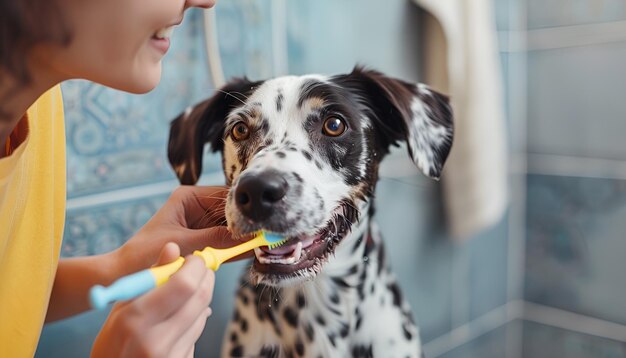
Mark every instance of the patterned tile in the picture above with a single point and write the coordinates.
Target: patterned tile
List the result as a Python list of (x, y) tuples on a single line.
[(553, 13), (575, 245), (575, 102), (101, 229), (244, 30), (542, 341)]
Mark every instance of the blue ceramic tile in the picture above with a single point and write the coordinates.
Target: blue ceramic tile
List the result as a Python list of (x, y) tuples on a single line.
[(330, 37), (541, 341), (575, 245), (554, 13), (101, 229), (410, 216), (575, 101), (244, 31), (488, 269)]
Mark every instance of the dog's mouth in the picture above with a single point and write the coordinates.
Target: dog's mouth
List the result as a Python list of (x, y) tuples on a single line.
[(303, 256)]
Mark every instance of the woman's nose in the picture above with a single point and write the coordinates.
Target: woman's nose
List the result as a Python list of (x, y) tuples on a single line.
[(205, 4)]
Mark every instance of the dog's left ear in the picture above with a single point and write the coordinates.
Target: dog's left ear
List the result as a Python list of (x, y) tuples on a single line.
[(410, 112)]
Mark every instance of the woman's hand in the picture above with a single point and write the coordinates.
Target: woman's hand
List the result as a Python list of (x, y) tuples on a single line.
[(193, 218), (165, 322)]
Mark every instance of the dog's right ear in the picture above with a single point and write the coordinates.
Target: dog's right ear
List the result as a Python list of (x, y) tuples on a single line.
[(201, 124)]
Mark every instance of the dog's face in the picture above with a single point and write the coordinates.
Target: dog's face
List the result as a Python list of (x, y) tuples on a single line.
[(301, 156)]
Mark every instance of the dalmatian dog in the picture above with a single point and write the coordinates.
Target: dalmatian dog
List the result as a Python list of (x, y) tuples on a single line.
[(301, 157)]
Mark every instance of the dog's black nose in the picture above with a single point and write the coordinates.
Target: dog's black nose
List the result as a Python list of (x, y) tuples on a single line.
[(256, 195)]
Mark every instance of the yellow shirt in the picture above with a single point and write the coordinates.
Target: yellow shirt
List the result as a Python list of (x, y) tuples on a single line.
[(32, 215)]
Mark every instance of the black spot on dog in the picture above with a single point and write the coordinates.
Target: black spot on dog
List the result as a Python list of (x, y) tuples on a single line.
[(297, 176), (300, 300), (244, 325), (280, 154), (279, 101), (320, 320), (344, 330), (237, 351), (307, 155), (340, 282), (309, 331), (395, 292), (299, 347), (269, 352), (291, 316), (233, 337), (362, 351), (334, 298), (318, 164), (407, 334), (331, 338), (359, 320)]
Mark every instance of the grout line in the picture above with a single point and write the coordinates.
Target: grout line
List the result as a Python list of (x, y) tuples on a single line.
[(469, 331), (562, 36), (563, 165), (527, 311), (136, 192), (575, 322)]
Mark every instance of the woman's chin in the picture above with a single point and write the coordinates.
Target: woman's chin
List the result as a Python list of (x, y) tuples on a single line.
[(138, 83)]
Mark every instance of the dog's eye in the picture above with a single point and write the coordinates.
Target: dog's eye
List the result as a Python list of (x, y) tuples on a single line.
[(333, 127), (240, 131)]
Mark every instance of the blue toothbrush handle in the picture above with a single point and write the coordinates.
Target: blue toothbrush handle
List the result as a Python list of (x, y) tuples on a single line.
[(125, 288)]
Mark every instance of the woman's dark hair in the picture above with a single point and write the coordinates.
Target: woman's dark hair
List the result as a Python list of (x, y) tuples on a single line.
[(24, 24)]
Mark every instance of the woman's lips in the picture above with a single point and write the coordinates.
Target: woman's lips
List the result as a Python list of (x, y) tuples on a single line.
[(162, 45)]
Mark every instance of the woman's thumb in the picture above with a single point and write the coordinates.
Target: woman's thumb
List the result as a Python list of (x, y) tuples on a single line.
[(169, 253)]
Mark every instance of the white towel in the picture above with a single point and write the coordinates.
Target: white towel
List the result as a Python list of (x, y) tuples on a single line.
[(463, 62)]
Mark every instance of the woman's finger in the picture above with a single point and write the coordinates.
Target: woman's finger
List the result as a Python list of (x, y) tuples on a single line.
[(162, 302), (184, 347)]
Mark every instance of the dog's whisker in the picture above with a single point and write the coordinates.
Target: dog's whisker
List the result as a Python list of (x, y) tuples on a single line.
[(396, 180)]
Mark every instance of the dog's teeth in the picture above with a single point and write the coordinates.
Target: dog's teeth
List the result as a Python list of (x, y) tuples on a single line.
[(258, 253), (297, 252)]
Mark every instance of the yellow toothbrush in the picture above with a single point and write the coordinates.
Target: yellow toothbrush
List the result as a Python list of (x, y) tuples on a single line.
[(141, 282)]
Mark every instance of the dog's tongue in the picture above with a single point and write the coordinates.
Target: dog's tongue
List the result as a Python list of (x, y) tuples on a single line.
[(285, 249)]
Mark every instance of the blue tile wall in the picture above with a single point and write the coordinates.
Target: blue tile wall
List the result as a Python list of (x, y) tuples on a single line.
[(554, 13), (245, 38), (411, 219), (330, 37), (487, 272), (103, 228), (575, 101), (575, 245)]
